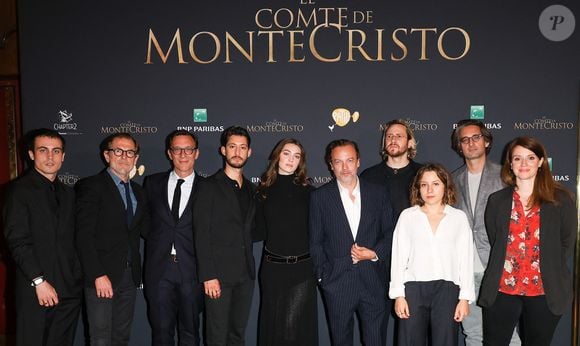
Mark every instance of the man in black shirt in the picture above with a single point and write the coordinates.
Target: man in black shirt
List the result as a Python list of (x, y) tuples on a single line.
[(397, 170), (223, 219), (39, 228)]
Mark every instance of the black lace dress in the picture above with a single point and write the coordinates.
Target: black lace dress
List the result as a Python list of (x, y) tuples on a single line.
[(288, 308)]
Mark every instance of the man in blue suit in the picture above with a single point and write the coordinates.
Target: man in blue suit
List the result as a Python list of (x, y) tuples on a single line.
[(174, 295), (351, 228)]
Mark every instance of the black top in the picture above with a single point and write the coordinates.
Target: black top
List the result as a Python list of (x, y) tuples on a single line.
[(397, 180), (283, 217)]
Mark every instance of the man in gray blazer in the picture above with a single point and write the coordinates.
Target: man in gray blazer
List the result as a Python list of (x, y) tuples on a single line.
[(475, 181)]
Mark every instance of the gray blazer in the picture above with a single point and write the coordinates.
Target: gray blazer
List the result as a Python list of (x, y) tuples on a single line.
[(490, 183)]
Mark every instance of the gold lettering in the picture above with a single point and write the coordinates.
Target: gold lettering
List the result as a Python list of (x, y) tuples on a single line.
[(465, 49), (342, 17), (359, 46), (271, 42), (192, 47), (258, 22), (423, 40), (380, 44), (293, 45), (164, 57), (249, 55), (304, 21), (312, 45), (399, 44), (290, 18)]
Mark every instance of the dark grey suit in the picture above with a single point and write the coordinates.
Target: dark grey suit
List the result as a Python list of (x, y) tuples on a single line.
[(347, 287), (490, 182)]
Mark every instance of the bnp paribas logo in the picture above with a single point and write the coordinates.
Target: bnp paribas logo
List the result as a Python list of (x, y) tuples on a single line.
[(342, 117), (200, 115), (477, 112)]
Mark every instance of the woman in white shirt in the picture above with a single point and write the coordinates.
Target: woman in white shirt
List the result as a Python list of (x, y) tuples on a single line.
[(432, 262)]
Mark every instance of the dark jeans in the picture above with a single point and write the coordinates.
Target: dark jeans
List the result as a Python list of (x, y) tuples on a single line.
[(110, 318), (537, 322), (227, 316)]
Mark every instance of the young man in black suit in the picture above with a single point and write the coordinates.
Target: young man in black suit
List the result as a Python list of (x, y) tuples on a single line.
[(39, 229), (223, 218), (172, 289), (111, 213)]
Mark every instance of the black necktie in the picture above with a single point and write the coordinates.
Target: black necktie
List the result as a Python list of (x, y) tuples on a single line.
[(129, 203), (176, 200)]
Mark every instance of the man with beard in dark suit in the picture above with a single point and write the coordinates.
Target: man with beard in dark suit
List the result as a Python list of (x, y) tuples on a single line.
[(223, 220), (172, 289), (39, 229)]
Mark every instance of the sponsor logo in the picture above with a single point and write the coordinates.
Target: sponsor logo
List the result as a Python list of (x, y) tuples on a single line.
[(544, 123), (559, 178), (205, 128), (65, 124), (129, 127), (200, 115), (255, 180), (477, 112), (68, 178), (137, 171), (342, 117), (275, 126), (557, 23), (489, 126)]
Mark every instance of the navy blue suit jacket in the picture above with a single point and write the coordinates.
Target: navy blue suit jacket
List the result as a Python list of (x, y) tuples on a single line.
[(331, 238), (164, 231)]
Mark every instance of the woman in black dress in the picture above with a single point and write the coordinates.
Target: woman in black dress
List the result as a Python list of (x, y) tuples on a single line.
[(288, 309)]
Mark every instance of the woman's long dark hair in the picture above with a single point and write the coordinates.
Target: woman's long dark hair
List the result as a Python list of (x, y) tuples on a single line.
[(271, 173)]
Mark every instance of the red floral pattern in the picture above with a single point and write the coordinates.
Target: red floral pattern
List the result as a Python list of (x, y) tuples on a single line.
[(521, 271)]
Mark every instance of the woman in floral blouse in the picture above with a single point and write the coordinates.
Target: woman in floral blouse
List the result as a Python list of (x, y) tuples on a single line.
[(531, 226)]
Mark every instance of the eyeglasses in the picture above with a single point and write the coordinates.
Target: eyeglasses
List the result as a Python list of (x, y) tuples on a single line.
[(179, 151), (474, 139), (119, 152)]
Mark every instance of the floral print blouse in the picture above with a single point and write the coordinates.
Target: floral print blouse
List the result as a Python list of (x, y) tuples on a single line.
[(521, 271)]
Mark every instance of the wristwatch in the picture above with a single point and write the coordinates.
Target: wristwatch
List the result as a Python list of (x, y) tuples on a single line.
[(37, 281)]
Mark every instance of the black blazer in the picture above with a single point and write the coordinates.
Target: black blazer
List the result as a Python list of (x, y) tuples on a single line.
[(103, 237), (164, 231), (42, 241), (223, 236), (331, 238), (558, 225)]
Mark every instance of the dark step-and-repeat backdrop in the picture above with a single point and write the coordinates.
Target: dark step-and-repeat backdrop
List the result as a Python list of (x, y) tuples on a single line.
[(316, 70)]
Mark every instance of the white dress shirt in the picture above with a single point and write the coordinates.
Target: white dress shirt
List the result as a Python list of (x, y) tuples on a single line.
[(351, 208), (186, 188), (421, 255)]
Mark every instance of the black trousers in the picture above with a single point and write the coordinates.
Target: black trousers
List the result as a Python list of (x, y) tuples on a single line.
[(110, 319), (537, 322), (47, 326), (226, 317), (432, 308), (349, 296), (174, 304)]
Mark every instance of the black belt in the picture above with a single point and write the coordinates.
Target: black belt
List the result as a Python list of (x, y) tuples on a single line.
[(275, 258)]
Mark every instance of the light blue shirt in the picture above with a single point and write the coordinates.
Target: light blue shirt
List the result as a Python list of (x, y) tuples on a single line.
[(118, 183)]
